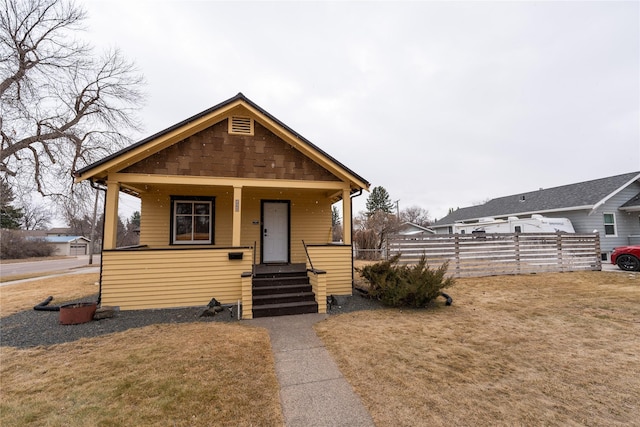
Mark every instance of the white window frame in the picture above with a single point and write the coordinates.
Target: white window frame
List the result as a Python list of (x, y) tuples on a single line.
[(614, 224), (193, 215)]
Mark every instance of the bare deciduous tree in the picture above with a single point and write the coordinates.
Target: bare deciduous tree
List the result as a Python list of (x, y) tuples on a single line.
[(371, 232), (34, 216), (416, 215), (61, 107)]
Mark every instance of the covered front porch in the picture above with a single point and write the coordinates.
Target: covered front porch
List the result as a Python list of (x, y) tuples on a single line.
[(144, 277), (165, 271), (237, 216), (221, 192)]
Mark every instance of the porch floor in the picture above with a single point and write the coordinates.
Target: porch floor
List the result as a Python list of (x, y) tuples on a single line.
[(262, 269)]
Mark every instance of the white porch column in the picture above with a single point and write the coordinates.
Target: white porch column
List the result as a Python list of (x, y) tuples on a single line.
[(237, 216), (111, 215), (346, 216)]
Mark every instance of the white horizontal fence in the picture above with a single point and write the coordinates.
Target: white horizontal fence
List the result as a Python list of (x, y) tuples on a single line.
[(496, 254)]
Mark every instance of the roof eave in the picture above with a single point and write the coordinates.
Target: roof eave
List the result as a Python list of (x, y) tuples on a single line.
[(539, 212), (610, 195)]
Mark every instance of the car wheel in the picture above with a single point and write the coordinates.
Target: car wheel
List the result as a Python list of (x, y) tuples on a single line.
[(628, 263)]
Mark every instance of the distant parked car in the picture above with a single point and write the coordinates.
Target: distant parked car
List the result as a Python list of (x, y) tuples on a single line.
[(626, 257)]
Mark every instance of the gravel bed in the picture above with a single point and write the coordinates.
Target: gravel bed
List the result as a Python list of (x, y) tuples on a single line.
[(33, 328)]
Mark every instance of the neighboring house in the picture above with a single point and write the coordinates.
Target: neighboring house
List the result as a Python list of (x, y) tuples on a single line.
[(69, 245), (59, 231), (411, 229), (63, 243), (609, 206), (230, 198), (66, 243)]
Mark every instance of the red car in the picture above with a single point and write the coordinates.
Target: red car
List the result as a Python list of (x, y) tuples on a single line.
[(627, 258)]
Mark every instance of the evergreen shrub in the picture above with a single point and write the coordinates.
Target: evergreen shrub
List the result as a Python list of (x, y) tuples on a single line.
[(405, 285)]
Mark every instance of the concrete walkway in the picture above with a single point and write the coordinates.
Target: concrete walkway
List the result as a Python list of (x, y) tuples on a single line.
[(313, 391)]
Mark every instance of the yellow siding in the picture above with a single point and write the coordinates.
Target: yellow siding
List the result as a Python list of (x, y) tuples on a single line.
[(319, 285), (155, 214), (310, 218), (172, 278), (247, 297), (336, 261), (154, 219)]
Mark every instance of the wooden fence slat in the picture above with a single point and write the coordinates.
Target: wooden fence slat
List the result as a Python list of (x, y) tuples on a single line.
[(491, 254)]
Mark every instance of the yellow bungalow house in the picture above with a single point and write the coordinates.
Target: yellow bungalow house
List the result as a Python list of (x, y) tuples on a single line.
[(235, 206)]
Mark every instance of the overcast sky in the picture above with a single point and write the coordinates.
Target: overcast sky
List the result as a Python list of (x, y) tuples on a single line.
[(445, 104)]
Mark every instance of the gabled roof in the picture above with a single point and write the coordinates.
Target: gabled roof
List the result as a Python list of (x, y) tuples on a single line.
[(586, 195), (181, 130), (64, 239), (633, 204), (411, 228), (62, 231)]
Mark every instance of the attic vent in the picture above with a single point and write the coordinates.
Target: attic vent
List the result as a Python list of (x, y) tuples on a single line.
[(241, 125)]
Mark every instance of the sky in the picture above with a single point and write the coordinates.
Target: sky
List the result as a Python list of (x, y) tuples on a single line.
[(445, 104)]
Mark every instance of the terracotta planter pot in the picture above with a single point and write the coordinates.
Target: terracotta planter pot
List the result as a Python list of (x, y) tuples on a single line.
[(73, 314)]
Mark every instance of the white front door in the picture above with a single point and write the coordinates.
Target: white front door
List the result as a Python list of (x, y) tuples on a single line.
[(275, 232)]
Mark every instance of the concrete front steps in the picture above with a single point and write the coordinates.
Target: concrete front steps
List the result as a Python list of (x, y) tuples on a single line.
[(280, 290)]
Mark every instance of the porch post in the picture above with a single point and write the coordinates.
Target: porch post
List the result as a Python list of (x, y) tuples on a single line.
[(346, 216), (111, 215), (237, 216)]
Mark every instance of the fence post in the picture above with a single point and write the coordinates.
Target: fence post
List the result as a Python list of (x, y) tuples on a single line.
[(559, 249), (457, 253), (516, 241), (598, 253), (386, 252)]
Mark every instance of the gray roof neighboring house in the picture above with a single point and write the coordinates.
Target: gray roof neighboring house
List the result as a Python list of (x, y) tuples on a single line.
[(53, 239), (60, 231), (64, 239), (632, 205), (409, 228), (583, 195)]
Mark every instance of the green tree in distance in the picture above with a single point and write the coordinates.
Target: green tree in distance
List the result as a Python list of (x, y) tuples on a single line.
[(10, 217), (379, 201)]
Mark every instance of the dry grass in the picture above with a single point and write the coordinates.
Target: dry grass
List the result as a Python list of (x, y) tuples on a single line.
[(173, 374), (547, 349), (23, 296), (46, 258), (29, 276)]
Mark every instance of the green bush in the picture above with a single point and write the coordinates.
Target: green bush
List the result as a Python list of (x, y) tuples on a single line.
[(405, 286)]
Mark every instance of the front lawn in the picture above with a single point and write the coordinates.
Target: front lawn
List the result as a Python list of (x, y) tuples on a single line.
[(546, 349), (185, 374)]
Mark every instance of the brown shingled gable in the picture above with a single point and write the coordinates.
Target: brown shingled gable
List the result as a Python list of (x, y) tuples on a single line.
[(213, 152)]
